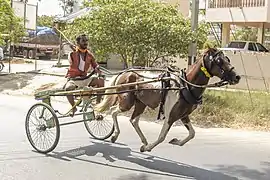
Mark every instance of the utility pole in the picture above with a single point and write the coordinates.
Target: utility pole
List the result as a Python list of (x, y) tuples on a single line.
[(194, 26)]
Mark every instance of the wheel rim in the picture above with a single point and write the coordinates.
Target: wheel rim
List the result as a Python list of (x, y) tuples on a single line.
[(98, 125), (41, 129)]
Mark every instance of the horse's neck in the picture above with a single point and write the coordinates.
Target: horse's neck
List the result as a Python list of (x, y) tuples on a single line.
[(196, 76)]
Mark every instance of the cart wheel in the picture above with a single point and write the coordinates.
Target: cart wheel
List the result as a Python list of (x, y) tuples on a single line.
[(98, 126), (42, 128)]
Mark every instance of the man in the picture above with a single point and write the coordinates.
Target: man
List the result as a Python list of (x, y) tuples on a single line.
[(81, 62)]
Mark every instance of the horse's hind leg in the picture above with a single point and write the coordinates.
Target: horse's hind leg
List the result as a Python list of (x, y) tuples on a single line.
[(115, 111), (186, 122), (138, 110), (164, 131)]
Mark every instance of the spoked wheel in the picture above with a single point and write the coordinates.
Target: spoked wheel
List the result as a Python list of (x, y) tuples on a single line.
[(42, 128), (98, 125)]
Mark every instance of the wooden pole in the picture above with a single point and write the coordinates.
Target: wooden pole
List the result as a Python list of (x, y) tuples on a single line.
[(90, 91)]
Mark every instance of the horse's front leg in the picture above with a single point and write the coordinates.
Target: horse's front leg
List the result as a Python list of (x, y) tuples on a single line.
[(164, 131), (186, 122)]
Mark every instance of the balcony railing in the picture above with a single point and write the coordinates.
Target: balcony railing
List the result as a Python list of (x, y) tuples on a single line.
[(235, 3)]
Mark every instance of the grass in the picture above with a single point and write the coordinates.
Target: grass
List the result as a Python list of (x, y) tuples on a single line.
[(227, 109), (234, 110)]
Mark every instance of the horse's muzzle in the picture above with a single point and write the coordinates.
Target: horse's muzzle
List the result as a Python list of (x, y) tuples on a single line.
[(233, 78)]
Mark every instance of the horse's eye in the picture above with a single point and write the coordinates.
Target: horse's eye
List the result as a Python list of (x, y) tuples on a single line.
[(218, 61)]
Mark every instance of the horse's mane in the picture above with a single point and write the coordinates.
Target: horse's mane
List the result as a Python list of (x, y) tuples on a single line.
[(199, 59)]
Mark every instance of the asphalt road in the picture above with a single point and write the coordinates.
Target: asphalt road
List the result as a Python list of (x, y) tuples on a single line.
[(215, 154)]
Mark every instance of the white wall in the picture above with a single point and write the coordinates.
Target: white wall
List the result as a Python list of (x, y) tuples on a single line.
[(246, 14)]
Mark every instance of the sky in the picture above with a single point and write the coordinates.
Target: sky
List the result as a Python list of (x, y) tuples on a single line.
[(48, 7), (52, 7)]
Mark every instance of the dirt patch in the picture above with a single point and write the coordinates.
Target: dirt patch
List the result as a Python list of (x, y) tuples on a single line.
[(46, 86), (15, 81), (28, 84), (18, 61)]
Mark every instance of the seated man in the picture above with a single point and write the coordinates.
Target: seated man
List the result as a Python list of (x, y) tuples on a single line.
[(81, 61)]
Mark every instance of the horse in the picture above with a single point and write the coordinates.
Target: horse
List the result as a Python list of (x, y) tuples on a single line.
[(178, 104)]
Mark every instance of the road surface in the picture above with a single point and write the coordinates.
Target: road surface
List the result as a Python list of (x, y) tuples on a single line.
[(215, 154)]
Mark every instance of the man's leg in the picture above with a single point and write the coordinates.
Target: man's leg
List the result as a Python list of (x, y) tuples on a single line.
[(70, 86), (97, 82)]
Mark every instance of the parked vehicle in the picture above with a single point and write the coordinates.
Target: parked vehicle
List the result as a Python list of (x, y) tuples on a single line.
[(45, 44), (245, 46)]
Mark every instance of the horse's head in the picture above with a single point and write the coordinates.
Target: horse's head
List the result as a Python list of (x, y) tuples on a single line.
[(217, 64)]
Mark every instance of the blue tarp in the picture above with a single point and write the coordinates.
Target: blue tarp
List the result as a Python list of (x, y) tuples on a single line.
[(41, 30)]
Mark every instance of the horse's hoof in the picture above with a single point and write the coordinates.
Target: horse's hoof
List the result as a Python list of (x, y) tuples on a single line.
[(113, 139), (142, 149), (174, 141)]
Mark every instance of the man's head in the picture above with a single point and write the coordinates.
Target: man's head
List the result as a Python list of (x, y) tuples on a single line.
[(82, 41)]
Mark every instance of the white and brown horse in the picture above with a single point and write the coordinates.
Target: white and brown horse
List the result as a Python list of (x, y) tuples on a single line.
[(178, 104)]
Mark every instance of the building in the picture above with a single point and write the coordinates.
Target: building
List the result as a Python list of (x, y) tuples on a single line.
[(182, 5), (252, 13)]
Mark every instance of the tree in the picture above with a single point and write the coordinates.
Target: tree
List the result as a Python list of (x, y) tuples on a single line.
[(45, 20), (138, 31), (9, 21), (246, 34), (67, 6)]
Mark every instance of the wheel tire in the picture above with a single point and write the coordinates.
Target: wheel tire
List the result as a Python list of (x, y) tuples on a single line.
[(91, 115), (32, 54), (25, 53), (56, 126)]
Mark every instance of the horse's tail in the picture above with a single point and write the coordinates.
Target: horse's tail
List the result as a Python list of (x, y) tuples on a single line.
[(109, 100)]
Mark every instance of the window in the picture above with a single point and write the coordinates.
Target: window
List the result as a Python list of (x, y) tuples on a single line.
[(252, 47), (261, 48), (236, 44)]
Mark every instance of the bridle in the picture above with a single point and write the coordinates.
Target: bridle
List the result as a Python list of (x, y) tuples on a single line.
[(218, 61)]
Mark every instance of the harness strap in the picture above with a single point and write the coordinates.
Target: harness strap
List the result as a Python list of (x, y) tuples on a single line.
[(186, 92), (164, 92)]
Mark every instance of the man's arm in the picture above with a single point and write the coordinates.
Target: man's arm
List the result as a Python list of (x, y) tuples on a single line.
[(69, 58), (94, 64)]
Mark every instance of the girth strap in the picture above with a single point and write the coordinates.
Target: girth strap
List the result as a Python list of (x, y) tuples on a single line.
[(164, 92), (186, 93)]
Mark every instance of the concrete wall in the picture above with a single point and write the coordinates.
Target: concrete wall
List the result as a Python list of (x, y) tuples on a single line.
[(114, 62), (245, 14), (254, 68), (239, 14)]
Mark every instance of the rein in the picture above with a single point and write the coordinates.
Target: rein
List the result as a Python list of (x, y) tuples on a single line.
[(217, 84)]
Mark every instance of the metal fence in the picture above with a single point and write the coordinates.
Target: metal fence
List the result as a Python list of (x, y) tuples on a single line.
[(235, 3)]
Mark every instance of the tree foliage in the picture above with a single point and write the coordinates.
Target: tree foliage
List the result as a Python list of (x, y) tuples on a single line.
[(9, 21), (246, 34), (138, 31), (45, 20)]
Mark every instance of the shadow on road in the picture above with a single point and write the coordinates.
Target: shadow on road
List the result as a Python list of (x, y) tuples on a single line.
[(14, 81), (243, 171), (155, 165)]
